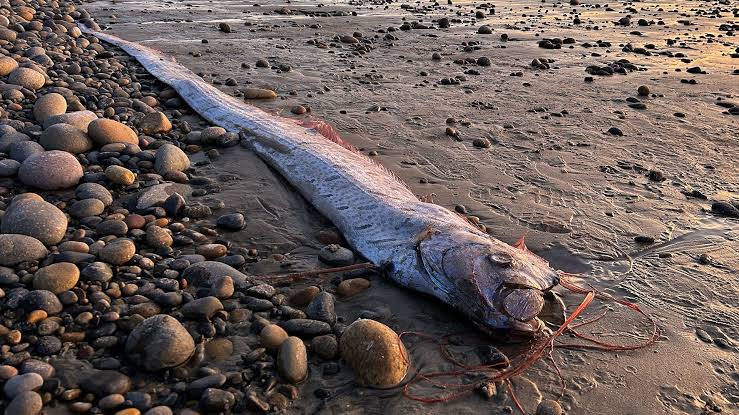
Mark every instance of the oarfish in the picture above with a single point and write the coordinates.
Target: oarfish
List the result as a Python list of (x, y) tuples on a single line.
[(420, 245)]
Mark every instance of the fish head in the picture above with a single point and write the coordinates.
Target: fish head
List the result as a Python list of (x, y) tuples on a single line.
[(497, 285)]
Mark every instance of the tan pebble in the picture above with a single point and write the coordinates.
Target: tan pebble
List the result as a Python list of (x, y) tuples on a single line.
[(14, 337), (7, 372), (211, 251), (259, 93), (272, 336), (375, 352), (111, 401), (71, 394), (350, 287), (304, 296), (128, 411), (80, 407), (35, 316), (120, 175)]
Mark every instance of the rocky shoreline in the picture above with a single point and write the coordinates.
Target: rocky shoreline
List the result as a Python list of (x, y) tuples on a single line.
[(117, 287)]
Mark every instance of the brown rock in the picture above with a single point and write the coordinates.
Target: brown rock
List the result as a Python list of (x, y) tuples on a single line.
[(57, 278), (350, 287), (375, 352), (104, 131), (48, 105)]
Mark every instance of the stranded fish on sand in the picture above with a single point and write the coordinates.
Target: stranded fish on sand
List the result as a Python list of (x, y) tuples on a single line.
[(422, 246)]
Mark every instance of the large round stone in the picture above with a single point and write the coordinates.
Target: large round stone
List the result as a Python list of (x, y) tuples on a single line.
[(57, 278), (292, 360), (20, 248), (170, 158), (23, 150), (104, 131), (26, 403), (8, 35), (27, 78), (65, 137), (35, 218), (51, 170), (42, 300), (159, 342), (6, 140), (7, 65), (118, 251), (155, 122), (375, 352), (79, 119), (94, 191), (48, 105)]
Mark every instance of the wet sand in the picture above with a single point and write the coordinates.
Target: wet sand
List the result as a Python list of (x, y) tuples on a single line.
[(552, 172)]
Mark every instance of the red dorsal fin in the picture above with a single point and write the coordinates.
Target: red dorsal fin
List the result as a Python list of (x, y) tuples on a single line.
[(521, 244)]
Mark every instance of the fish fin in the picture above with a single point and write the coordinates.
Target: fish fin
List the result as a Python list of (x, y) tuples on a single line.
[(328, 131), (521, 244), (428, 231)]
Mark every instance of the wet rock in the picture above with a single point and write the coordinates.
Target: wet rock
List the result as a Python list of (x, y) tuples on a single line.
[(206, 272), (155, 123), (105, 382), (292, 360), (159, 342), (104, 131), (118, 251), (202, 308), (272, 336), (326, 346), (20, 248), (170, 158), (65, 137), (232, 222), (38, 219), (57, 278), (222, 287), (48, 105), (336, 255), (353, 286), (51, 170), (375, 352), (217, 400), (306, 327), (322, 308)]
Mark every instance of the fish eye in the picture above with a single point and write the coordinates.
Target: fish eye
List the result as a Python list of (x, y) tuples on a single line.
[(501, 259)]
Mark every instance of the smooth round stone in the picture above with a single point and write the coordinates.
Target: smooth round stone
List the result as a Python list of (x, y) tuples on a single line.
[(65, 137), (74, 246), (210, 134), (336, 255), (104, 131), (79, 119), (259, 93), (106, 382), (57, 278), (38, 219), (216, 401), (23, 150), (159, 410), (20, 248), (7, 372), (51, 170), (350, 287), (169, 158), (6, 140), (304, 296), (326, 346), (375, 352), (118, 251), (120, 175), (157, 237), (86, 207), (7, 65), (211, 251), (45, 370), (9, 168), (549, 407), (8, 35), (94, 191), (27, 403), (292, 360), (111, 401), (322, 308), (154, 123), (222, 287), (159, 342), (135, 221), (48, 105), (42, 300), (48, 345), (22, 383), (232, 222), (97, 271), (111, 227), (27, 78), (272, 336), (202, 308)]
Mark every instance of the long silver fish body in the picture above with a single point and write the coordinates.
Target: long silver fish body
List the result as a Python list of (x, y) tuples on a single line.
[(422, 246)]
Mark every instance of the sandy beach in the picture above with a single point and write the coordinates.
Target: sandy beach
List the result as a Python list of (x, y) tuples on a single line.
[(604, 133)]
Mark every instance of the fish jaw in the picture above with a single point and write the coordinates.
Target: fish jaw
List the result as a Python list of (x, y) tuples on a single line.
[(497, 286)]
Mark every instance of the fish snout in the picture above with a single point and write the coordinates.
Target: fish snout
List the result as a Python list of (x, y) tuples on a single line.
[(524, 304)]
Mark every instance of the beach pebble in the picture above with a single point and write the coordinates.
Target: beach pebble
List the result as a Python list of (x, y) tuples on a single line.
[(24, 149), (292, 360), (322, 308), (157, 237), (232, 222), (212, 251), (336, 255), (202, 308), (272, 336), (155, 123), (26, 403), (38, 219), (57, 278), (105, 131), (375, 352), (9, 168), (48, 105), (86, 207), (51, 170), (259, 93), (42, 300), (549, 407), (7, 65), (120, 175), (20, 248), (350, 287), (79, 119), (94, 191), (170, 158), (22, 383), (215, 400), (118, 251), (305, 327), (159, 342), (222, 287), (326, 346), (27, 78), (65, 137), (97, 271), (304, 296)]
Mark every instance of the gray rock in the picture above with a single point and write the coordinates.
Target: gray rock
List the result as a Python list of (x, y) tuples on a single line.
[(202, 308), (231, 222), (94, 191), (156, 195), (20, 248), (304, 327), (292, 360), (65, 137), (79, 119), (9, 168), (118, 251), (7, 139), (22, 150), (42, 300), (205, 273), (22, 383), (86, 207), (44, 369), (105, 382), (170, 158), (336, 255), (27, 403), (159, 342), (322, 308), (326, 346), (51, 170), (35, 218)]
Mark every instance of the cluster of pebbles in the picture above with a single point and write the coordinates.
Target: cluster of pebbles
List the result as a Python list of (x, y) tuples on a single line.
[(114, 292)]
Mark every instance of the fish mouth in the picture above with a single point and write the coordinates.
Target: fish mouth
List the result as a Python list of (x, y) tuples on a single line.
[(527, 328)]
